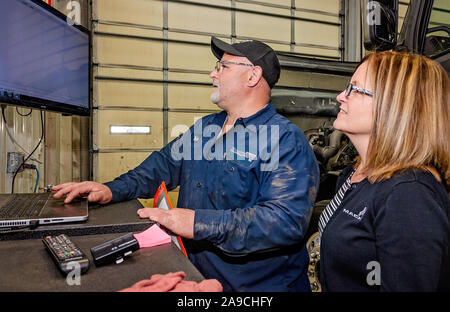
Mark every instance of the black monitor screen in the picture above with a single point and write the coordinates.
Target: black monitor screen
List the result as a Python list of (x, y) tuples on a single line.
[(44, 61)]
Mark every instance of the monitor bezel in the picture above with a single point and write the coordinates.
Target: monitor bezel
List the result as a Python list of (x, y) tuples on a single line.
[(48, 105)]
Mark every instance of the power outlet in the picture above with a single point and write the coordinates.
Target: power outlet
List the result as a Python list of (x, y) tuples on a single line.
[(14, 161)]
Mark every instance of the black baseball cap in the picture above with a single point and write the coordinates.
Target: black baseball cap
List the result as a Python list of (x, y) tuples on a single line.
[(260, 54)]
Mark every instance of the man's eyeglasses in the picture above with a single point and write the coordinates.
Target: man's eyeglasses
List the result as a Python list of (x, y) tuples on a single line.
[(219, 65), (352, 87)]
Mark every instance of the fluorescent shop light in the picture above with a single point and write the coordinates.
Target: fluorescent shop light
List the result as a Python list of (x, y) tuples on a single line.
[(129, 129)]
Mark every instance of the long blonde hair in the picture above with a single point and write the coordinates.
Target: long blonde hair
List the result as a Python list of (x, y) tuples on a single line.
[(411, 117)]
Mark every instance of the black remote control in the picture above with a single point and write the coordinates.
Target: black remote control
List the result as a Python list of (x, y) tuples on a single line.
[(66, 255)]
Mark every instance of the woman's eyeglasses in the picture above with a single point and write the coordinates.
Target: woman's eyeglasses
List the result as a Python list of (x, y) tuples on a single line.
[(352, 87)]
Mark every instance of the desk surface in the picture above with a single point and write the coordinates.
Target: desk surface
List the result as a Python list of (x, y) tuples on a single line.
[(114, 218), (26, 266)]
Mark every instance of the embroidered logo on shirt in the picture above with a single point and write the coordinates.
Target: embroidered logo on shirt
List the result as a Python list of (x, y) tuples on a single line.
[(248, 155), (354, 215)]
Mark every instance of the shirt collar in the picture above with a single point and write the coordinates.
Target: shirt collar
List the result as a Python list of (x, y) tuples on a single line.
[(259, 118)]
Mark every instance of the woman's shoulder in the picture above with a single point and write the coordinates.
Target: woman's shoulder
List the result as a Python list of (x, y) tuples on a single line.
[(412, 182), (414, 176), (413, 198)]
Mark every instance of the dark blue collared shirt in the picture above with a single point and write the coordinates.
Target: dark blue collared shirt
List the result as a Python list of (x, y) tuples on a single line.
[(252, 190)]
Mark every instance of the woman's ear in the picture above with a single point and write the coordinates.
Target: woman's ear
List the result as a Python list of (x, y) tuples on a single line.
[(255, 76)]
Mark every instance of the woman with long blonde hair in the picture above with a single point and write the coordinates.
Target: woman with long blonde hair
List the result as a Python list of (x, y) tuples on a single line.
[(388, 228)]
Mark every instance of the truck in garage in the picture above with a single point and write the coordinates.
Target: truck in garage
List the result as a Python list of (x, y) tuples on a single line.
[(425, 31)]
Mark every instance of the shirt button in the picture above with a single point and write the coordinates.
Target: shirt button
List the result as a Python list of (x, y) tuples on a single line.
[(199, 184), (232, 169)]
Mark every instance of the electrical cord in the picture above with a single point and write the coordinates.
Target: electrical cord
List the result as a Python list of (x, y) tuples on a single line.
[(28, 157), (31, 166), (24, 115), (37, 178), (14, 140)]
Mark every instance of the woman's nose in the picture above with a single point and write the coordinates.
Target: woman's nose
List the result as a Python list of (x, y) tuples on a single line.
[(341, 97)]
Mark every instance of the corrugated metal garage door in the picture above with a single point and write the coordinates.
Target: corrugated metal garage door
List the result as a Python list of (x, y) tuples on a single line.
[(152, 60)]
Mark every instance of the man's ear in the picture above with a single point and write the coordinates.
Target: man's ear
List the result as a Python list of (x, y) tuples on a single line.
[(255, 76)]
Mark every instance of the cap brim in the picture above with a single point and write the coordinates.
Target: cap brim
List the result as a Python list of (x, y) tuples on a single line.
[(219, 47)]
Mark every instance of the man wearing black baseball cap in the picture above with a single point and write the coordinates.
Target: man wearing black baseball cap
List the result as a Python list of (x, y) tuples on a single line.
[(258, 53), (243, 77), (244, 204)]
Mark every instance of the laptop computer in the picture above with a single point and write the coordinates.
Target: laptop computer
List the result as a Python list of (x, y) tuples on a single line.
[(22, 210)]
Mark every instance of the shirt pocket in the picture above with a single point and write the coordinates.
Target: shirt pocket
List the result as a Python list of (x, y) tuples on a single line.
[(242, 182)]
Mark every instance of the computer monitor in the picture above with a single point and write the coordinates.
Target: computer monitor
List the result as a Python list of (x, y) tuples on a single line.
[(44, 60)]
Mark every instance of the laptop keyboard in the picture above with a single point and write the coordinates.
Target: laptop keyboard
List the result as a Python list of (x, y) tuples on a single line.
[(24, 206)]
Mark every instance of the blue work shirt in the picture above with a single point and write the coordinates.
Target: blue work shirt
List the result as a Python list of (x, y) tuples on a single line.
[(252, 190)]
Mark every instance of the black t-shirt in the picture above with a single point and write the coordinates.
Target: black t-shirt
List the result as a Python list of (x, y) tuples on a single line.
[(388, 236)]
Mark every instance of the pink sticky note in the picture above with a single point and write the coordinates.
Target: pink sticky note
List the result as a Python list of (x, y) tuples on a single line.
[(153, 236)]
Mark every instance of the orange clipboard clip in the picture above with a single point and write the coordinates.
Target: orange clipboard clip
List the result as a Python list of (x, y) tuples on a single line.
[(162, 200)]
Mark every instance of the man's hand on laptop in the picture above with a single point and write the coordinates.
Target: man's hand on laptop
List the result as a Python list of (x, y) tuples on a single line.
[(94, 191)]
